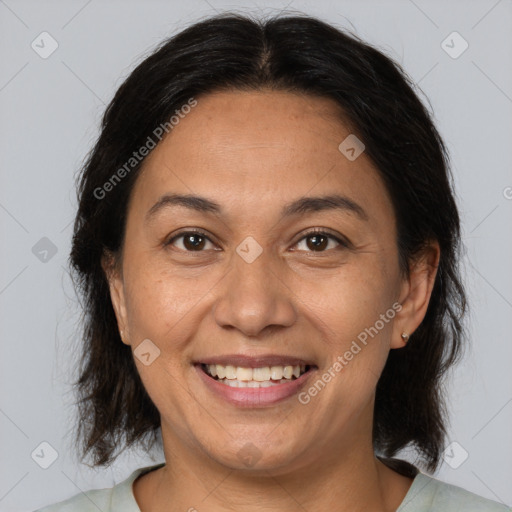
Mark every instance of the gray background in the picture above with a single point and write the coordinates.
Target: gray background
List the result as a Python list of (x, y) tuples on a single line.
[(50, 111)]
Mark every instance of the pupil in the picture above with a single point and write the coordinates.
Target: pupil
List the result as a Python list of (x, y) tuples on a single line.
[(316, 243), (190, 244)]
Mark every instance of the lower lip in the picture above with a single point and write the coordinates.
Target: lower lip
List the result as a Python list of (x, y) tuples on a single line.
[(254, 397)]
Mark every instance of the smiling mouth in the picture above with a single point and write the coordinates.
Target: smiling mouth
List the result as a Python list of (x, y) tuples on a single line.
[(261, 377)]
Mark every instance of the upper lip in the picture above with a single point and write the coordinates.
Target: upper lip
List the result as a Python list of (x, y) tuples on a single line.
[(246, 361)]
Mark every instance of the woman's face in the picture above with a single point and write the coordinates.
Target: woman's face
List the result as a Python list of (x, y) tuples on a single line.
[(256, 289)]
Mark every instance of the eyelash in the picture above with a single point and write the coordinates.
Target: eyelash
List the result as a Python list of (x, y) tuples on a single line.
[(343, 243)]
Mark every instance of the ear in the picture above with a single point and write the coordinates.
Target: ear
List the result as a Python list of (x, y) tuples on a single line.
[(117, 293), (415, 293)]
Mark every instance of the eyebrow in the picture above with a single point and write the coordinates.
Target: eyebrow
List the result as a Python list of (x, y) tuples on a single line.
[(300, 206)]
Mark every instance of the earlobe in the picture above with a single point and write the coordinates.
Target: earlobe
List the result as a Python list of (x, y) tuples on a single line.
[(415, 294), (116, 287)]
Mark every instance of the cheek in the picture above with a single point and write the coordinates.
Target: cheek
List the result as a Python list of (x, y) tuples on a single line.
[(353, 311), (350, 300), (157, 300)]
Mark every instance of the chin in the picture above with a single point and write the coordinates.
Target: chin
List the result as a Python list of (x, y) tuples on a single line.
[(256, 454)]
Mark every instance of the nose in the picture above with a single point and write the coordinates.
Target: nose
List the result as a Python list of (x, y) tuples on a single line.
[(254, 297)]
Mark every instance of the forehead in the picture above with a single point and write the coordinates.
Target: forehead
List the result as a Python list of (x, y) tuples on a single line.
[(258, 148)]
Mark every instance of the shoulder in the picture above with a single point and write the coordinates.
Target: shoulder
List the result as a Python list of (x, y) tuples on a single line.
[(90, 501), (118, 498), (428, 494)]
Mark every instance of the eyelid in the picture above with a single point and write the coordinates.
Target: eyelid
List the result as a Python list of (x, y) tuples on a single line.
[(186, 231), (342, 241)]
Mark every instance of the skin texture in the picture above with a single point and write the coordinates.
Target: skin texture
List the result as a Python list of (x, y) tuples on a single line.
[(254, 152)]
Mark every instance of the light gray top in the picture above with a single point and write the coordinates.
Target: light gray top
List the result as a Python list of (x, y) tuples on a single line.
[(426, 494)]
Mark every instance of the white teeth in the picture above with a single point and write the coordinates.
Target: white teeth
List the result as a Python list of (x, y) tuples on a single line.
[(276, 372), (221, 371), (238, 376), (244, 373), (230, 372), (252, 383), (261, 374)]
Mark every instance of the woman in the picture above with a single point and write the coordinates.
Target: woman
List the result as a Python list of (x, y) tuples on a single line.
[(267, 242)]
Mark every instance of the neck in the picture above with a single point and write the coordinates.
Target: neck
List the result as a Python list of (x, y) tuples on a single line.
[(348, 478)]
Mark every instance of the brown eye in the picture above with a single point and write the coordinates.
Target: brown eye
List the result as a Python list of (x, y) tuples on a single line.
[(191, 241), (194, 242), (318, 241)]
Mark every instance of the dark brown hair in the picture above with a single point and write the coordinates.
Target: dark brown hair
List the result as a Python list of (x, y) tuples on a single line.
[(289, 53)]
